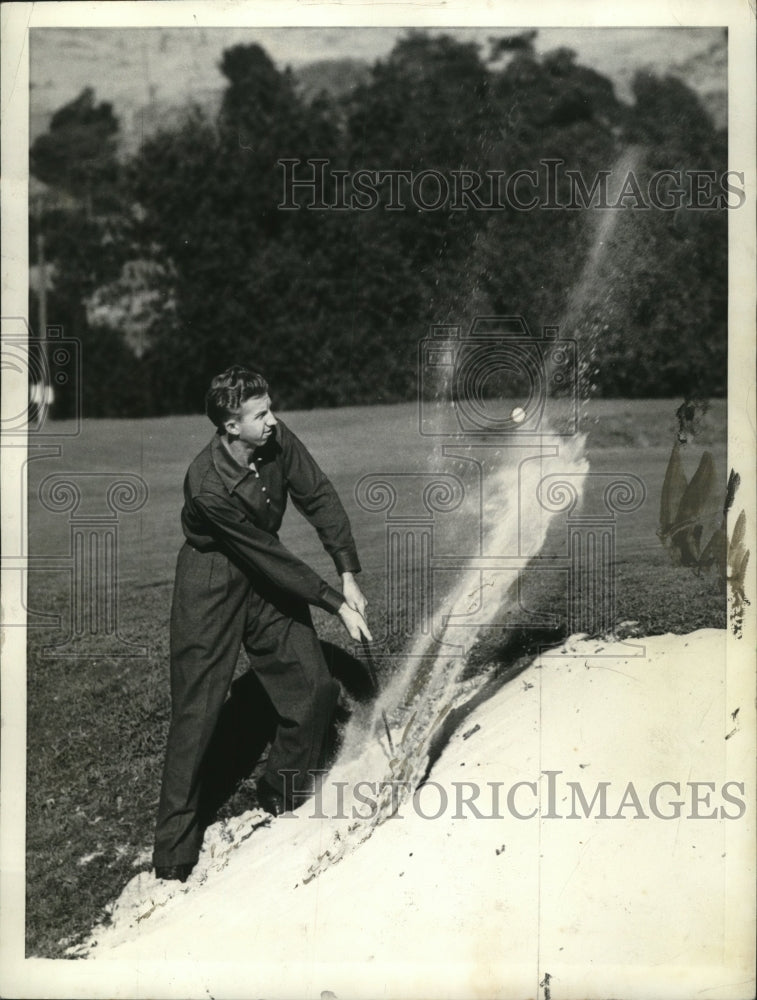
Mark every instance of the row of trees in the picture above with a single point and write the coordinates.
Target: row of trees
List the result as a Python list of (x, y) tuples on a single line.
[(178, 261)]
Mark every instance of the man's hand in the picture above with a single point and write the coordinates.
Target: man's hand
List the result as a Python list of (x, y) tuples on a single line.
[(354, 622), (353, 595)]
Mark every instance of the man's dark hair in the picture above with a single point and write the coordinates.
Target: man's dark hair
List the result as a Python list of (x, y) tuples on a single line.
[(229, 390)]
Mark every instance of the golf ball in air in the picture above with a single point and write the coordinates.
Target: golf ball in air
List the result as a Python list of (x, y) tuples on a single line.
[(518, 415)]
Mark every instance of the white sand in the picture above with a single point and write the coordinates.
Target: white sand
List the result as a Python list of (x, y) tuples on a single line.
[(477, 907)]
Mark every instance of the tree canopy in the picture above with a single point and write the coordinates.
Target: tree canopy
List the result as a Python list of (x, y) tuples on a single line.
[(331, 304)]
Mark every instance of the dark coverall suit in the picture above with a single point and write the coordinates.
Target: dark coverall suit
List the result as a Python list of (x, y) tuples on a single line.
[(236, 584)]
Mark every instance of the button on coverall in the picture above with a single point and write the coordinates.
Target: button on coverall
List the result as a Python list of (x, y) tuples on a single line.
[(237, 585)]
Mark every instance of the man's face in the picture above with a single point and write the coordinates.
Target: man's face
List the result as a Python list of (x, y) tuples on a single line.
[(253, 424)]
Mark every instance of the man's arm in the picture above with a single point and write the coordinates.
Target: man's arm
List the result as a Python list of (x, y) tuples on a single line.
[(315, 497), (265, 555)]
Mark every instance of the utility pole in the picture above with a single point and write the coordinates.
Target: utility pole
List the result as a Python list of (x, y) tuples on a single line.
[(42, 270), (43, 392)]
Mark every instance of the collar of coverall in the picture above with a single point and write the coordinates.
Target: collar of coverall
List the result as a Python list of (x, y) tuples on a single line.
[(230, 471)]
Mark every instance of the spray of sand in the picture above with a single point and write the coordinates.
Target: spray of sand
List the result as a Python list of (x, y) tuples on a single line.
[(428, 686)]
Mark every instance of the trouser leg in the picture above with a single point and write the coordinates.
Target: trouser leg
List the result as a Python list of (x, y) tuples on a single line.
[(207, 624), (286, 655)]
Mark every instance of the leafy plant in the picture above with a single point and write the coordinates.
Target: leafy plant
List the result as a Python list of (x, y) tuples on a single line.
[(686, 519)]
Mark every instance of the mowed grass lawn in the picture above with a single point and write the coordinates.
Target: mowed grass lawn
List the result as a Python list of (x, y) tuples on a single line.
[(97, 723)]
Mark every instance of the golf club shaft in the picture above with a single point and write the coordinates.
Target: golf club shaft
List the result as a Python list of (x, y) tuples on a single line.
[(372, 669)]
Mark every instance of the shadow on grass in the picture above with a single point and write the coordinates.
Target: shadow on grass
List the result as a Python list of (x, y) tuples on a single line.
[(247, 724)]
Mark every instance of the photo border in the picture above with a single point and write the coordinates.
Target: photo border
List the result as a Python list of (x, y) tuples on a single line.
[(23, 977)]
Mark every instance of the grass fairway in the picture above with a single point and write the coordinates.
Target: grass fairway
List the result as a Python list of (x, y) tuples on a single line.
[(97, 722)]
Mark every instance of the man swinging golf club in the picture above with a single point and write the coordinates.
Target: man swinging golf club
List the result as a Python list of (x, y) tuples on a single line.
[(237, 585)]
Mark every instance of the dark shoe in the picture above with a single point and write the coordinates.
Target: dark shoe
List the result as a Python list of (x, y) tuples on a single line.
[(174, 872), (270, 800)]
